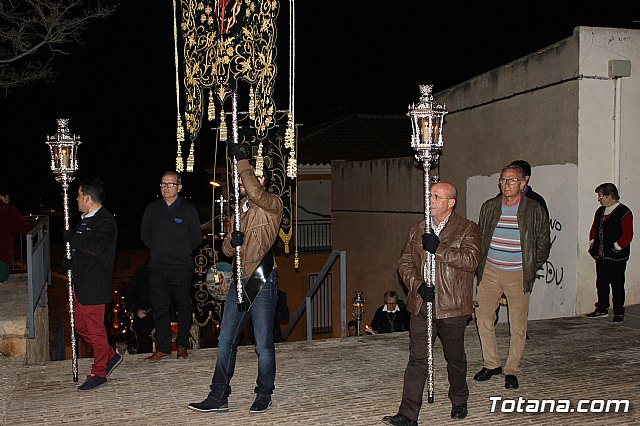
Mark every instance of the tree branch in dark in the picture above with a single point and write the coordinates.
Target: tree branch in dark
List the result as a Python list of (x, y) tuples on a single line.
[(34, 32)]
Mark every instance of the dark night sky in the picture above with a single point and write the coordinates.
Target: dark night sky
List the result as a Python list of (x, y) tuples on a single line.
[(118, 88)]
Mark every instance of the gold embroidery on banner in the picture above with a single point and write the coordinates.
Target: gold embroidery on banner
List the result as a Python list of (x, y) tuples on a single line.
[(226, 41)]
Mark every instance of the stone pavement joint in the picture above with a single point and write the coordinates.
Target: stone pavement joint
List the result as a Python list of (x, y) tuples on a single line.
[(349, 381)]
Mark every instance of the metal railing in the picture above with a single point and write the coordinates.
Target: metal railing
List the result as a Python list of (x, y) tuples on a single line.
[(322, 304), (306, 304), (38, 269), (313, 236)]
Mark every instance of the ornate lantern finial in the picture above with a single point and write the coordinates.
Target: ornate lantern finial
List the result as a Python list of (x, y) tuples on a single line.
[(427, 119), (63, 147)]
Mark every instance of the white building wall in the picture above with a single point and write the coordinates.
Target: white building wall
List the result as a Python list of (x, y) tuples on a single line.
[(596, 148)]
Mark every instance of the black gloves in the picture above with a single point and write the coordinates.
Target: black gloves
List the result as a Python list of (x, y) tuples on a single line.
[(66, 263), (67, 235), (427, 293), (430, 242), (235, 150), (237, 238)]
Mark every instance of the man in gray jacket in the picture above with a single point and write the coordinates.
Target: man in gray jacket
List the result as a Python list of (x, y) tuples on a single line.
[(515, 243)]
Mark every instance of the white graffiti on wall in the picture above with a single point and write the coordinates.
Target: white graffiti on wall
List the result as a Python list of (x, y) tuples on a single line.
[(550, 273)]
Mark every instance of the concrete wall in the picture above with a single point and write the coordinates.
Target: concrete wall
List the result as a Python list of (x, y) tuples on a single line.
[(527, 109), (597, 150), (374, 203)]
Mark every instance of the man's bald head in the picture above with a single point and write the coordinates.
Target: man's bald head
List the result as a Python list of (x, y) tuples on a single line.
[(448, 188)]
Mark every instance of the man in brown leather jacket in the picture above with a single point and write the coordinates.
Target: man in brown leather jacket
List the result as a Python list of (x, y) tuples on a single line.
[(260, 215), (455, 243)]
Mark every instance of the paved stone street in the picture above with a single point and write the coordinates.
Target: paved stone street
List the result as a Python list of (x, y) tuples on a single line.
[(351, 381)]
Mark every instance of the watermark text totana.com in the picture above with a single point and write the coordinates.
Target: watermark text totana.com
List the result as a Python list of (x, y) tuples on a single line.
[(522, 405)]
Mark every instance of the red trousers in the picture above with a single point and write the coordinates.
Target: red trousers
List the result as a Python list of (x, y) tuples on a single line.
[(89, 320)]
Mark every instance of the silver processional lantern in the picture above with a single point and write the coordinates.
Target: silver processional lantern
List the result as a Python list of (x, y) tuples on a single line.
[(63, 147), (358, 304), (427, 120)]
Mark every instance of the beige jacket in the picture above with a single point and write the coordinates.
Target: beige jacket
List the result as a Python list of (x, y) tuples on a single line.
[(260, 215)]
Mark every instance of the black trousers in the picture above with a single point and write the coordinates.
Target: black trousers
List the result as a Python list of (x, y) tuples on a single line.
[(610, 273), (451, 332), (143, 328), (165, 284)]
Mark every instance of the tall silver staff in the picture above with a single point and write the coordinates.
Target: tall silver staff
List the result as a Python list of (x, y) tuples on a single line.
[(236, 193), (63, 148), (427, 119)]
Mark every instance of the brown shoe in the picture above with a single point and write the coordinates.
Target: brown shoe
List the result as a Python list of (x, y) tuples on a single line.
[(182, 353), (157, 356)]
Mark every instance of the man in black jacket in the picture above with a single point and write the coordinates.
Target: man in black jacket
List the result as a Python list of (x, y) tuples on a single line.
[(93, 251), (528, 191), (171, 230)]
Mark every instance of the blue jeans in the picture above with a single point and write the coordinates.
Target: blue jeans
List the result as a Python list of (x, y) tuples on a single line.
[(262, 312)]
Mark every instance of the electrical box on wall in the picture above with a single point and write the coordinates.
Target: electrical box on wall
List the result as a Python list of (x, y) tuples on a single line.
[(618, 68)]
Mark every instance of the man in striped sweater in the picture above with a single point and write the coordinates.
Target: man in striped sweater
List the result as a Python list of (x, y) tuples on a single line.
[(515, 243)]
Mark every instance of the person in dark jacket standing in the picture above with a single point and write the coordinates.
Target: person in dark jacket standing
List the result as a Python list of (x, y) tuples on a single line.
[(528, 190), (93, 252), (171, 230), (11, 222), (515, 244), (455, 243), (139, 302), (610, 244), (260, 216)]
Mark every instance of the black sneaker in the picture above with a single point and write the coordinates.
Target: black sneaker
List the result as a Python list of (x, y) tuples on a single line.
[(618, 318), (210, 406), (597, 313), (92, 382), (115, 361), (261, 404)]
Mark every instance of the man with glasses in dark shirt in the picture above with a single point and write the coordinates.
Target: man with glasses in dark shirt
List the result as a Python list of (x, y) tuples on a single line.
[(171, 230)]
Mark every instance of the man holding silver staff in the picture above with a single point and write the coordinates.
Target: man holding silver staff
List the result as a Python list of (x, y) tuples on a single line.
[(260, 215), (93, 252), (515, 244), (455, 244)]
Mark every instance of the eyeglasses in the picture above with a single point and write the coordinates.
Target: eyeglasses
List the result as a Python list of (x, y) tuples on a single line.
[(600, 197), (511, 181), (437, 197), (168, 184)]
